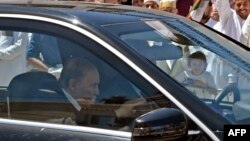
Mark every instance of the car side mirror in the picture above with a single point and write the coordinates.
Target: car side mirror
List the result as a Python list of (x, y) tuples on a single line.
[(160, 124)]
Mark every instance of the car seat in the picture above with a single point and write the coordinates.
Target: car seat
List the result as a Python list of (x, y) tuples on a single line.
[(37, 96)]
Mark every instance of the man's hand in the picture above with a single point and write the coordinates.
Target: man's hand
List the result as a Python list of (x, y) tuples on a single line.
[(127, 109), (215, 15), (86, 101)]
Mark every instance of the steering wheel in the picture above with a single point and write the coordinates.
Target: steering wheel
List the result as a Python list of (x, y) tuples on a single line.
[(230, 88)]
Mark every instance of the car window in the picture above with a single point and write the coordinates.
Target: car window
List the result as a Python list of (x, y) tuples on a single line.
[(63, 82), (216, 74)]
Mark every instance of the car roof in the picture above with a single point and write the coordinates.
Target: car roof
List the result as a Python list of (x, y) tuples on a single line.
[(83, 11)]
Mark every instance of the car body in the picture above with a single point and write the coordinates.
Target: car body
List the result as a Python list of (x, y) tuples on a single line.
[(139, 54)]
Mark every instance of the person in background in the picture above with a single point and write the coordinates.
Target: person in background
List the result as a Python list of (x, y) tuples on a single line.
[(246, 32), (13, 46), (151, 4), (43, 52), (138, 3), (231, 3), (196, 78), (125, 2), (232, 20), (168, 6), (200, 11), (213, 21), (197, 74), (184, 6), (207, 13)]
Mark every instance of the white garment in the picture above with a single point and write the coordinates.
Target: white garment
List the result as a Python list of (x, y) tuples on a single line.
[(56, 71), (246, 32), (205, 77), (12, 55), (72, 100), (199, 12), (214, 24), (231, 23)]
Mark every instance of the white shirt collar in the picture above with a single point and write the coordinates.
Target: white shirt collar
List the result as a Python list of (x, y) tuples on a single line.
[(72, 100)]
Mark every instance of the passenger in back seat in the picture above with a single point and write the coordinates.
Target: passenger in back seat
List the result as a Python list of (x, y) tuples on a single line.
[(80, 81)]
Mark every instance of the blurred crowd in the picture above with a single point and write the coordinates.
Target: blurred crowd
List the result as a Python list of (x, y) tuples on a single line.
[(230, 17)]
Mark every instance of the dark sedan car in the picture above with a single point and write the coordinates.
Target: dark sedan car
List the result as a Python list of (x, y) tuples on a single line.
[(149, 75)]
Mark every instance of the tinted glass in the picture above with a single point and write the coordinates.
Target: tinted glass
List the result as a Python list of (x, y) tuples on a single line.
[(211, 67), (60, 81)]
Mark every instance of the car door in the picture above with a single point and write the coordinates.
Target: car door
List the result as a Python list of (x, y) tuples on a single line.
[(33, 104), (35, 107)]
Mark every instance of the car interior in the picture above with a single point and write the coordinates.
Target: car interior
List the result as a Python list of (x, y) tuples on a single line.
[(37, 96), (35, 100), (231, 79), (32, 95)]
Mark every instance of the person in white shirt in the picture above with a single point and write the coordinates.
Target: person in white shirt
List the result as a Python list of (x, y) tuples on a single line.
[(246, 32), (213, 21), (138, 3), (232, 20), (196, 75), (13, 47), (168, 6), (151, 4)]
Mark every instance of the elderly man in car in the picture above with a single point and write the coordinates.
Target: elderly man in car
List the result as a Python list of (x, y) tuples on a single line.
[(80, 82)]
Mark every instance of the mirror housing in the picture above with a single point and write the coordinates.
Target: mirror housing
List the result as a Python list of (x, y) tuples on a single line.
[(160, 124)]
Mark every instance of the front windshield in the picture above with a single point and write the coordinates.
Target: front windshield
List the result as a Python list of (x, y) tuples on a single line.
[(212, 72)]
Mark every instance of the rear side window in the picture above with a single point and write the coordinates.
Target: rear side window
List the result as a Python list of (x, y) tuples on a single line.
[(62, 82)]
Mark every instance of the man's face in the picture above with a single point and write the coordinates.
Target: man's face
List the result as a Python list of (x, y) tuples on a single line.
[(151, 5), (242, 8), (138, 3), (197, 66), (87, 87), (168, 6), (169, 9)]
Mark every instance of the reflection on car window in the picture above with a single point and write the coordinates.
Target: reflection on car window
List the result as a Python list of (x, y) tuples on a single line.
[(64, 83), (213, 73), (13, 59)]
